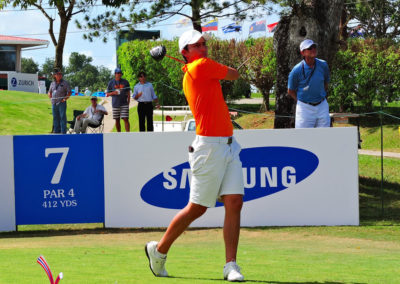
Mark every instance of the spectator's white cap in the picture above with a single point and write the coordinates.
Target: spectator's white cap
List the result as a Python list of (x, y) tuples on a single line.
[(306, 44), (190, 37)]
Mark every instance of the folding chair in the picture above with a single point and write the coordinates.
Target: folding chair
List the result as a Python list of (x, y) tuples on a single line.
[(72, 122), (96, 128)]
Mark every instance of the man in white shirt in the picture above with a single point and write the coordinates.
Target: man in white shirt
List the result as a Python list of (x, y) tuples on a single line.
[(93, 115), (143, 92)]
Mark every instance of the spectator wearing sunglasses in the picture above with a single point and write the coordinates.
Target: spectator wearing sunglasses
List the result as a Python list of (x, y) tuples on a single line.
[(308, 85), (120, 91)]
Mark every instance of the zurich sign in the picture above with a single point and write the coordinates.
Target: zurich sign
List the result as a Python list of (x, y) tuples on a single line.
[(266, 170)]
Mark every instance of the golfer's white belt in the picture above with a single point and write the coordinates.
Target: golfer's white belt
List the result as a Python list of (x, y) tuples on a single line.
[(211, 139)]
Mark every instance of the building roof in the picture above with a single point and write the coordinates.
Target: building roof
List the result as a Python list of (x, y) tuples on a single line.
[(23, 41)]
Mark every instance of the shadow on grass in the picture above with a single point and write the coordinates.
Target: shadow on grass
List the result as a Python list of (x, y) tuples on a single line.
[(265, 281), (54, 232), (372, 199)]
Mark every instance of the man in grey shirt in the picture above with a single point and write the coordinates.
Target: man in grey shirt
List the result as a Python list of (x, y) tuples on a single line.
[(59, 93)]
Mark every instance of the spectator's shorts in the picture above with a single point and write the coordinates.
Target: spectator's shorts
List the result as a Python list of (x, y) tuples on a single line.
[(120, 112), (216, 169)]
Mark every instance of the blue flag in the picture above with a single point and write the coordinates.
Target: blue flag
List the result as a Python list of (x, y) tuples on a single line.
[(259, 26), (234, 27)]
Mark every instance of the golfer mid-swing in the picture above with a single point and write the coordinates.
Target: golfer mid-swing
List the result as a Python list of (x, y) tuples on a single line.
[(213, 156)]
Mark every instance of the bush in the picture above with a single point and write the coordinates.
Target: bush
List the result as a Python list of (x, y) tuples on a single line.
[(241, 88), (365, 71)]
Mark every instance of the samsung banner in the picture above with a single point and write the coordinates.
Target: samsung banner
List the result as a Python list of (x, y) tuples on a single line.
[(59, 179), (23, 82), (292, 177)]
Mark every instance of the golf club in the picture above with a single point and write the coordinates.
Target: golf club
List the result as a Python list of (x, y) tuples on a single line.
[(160, 51)]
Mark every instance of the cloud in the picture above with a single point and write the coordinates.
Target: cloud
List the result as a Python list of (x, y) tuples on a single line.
[(66, 56), (25, 24)]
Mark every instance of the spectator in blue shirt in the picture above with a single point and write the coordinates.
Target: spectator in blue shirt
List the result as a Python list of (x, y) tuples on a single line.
[(308, 85), (143, 92)]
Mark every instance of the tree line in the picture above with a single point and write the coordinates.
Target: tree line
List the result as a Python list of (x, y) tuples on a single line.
[(363, 71), (79, 72)]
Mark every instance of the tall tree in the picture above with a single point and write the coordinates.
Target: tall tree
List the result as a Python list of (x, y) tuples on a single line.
[(80, 72), (47, 68), (66, 9), (28, 65), (377, 18), (314, 19), (162, 10), (258, 62)]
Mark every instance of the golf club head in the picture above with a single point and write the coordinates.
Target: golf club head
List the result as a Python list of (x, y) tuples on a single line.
[(158, 52)]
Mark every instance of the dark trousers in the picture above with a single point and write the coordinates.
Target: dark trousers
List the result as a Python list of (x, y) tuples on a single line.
[(145, 111)]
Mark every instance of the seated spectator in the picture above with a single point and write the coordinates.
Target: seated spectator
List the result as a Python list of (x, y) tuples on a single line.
[(92, 115)]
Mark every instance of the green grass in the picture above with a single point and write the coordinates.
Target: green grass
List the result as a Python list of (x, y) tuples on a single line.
[(371, 137), (371, 195), (28, 113), (368, 254), (86, 253)]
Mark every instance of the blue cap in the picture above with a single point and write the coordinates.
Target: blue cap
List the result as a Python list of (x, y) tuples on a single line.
[(118, 70)]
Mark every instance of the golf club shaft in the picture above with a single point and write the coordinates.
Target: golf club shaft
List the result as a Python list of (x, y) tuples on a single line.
[(181, 61)]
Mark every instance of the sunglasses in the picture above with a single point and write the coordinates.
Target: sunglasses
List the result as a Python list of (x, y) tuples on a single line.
[(118, 73), (311, 47)]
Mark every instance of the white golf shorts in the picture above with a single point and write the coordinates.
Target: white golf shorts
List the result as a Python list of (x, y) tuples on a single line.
[(216, 169), (308, 116)]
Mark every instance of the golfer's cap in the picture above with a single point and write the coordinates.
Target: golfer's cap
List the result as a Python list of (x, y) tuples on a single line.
[(93, 98), (118, 70), (190, 37), (306, 44)]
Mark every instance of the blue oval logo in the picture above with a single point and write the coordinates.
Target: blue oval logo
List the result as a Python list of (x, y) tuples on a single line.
[(266, 170), (14, 82)]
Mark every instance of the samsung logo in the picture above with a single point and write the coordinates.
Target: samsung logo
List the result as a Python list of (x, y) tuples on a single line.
[(266, 170)]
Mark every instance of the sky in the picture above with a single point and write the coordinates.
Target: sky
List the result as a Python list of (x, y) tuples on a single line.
[(33, 24)]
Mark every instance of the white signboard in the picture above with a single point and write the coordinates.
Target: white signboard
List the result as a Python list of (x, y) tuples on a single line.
[(7, 200), (293, 177), (42, 87), (23, 82)]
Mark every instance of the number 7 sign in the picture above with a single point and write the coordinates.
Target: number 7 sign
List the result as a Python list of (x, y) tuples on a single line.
[(57, 174), (50, 185)]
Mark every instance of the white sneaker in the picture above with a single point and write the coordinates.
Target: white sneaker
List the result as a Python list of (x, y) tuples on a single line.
[(232, 272), (156, 263)]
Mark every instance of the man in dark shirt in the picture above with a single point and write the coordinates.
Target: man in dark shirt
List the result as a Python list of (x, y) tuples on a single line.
[(120, 91)]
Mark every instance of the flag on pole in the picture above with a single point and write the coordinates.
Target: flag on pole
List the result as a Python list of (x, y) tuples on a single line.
[(210, 26), (183, 22), (259, 26), (234, 27), (43, 263), (272, 27)]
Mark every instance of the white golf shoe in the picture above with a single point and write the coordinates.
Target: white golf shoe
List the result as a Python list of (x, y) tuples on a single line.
[(232, 272), (156, 262)]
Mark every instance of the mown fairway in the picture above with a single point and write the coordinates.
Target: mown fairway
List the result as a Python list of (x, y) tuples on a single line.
[(367, 254), (89, 254)]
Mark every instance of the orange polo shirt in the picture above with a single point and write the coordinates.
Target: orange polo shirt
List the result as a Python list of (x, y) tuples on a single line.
[(204, 95)]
